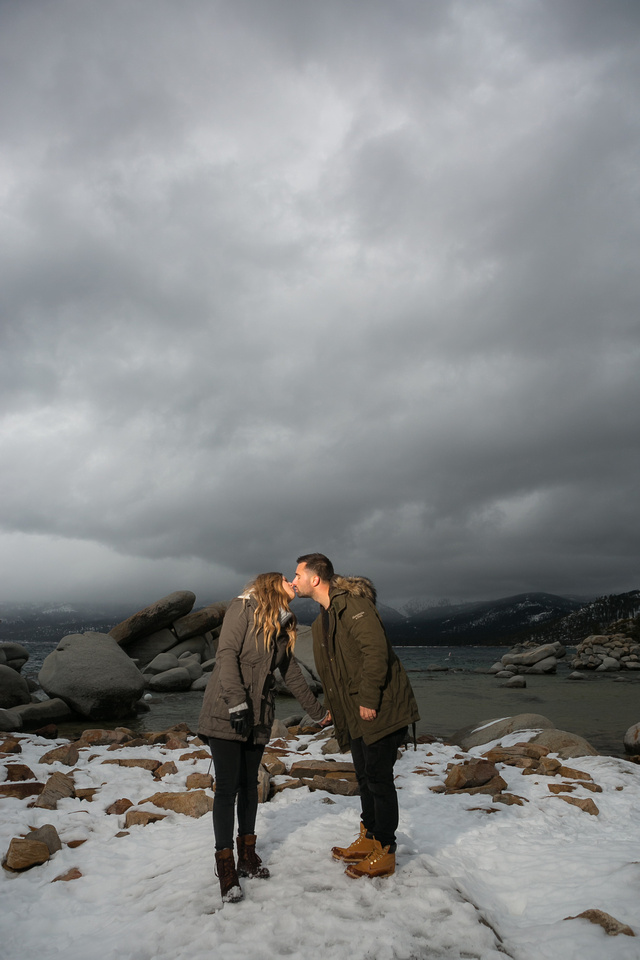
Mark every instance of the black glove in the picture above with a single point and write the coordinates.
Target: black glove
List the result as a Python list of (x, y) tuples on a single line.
[(239, 720)]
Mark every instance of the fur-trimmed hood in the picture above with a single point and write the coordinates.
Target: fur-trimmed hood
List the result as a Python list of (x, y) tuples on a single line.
[(355, 586)]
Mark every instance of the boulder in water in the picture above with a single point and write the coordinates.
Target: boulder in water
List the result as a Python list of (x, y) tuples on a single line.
[(94, 676)]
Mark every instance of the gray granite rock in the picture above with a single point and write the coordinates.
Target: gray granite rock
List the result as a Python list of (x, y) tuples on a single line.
[(155, 617), (94, 676), (14, 689), (481, 733), (632, 740), (176, 679)]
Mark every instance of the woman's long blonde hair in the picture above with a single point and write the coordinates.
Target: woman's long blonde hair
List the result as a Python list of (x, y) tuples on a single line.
[(271, 598)]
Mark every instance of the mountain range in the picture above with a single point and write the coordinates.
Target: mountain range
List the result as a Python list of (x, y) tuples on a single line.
[(539, 617)]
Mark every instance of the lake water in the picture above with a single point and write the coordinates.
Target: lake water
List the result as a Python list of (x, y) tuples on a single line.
[(601, 708)]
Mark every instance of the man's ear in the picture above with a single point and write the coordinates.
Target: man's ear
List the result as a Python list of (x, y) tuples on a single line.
[(316, 580)]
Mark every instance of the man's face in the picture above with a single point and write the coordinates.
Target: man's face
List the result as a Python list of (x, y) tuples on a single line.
[(304, 581)]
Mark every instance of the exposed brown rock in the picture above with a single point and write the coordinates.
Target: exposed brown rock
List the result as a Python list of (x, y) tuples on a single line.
[(193, 803), (57, 787), (585, 803), (19, 771), (561, 787), (570, 774), (67, 754), (344, 788), (510, 799), (140, 818), (21, 790), (119, 807), (274, 766), (322, 768), (287, 785), (134, 742), (98, 737), (196, 755), (72, 874), (199, 781), (145, 763), (10, 745), (86, 793), (25, 853), (471, 773), (176, 743), (165, 770), (72, 844), (608, 923), (593, 787), (49, 731)]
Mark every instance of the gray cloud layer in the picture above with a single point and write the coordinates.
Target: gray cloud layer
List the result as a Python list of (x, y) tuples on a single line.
[(282, 276)]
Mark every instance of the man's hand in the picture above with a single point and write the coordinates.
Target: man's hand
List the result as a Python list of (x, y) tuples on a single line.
[(366, 713)]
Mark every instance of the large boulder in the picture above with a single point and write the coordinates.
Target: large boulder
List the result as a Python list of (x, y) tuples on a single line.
[(93, 675), (144, 649), (14, 655), (530, 657), (481, 733), (10, 721), (565, 744), (155, 617), (14, 689), (35, 715), (175, 679), (199, 621), (632, 740), (161, 663)]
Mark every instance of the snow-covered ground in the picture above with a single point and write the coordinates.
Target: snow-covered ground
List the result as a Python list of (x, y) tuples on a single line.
[(470, 883)]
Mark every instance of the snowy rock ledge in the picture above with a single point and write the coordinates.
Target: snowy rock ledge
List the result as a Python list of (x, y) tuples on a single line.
[(122, 827)]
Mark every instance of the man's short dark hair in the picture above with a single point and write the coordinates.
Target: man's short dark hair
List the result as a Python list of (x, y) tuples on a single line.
[(318, 564)]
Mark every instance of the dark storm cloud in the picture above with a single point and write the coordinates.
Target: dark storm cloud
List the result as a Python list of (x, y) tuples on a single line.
[(290, 276)]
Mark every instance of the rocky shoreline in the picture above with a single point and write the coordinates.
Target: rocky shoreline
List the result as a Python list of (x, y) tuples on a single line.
[(169, 647), (166, 647)]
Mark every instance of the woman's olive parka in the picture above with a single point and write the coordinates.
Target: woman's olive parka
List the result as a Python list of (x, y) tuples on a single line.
[(244, 673)]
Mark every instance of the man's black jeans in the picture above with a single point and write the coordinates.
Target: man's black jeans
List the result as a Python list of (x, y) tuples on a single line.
[(374, 770), (236, 765)]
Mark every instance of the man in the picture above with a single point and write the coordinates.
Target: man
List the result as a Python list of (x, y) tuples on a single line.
[(370, 700)]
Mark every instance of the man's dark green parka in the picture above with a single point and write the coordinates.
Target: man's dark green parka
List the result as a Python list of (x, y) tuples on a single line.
[(357, 665)]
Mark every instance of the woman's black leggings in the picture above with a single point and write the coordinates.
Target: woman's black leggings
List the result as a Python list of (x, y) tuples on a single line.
[(236, 764)]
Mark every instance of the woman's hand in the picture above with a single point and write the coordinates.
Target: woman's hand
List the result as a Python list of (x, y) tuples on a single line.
[(366, 713), (239, 719), (326, 720)]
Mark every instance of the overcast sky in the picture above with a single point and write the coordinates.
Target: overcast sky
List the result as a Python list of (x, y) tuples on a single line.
[(360, 277)]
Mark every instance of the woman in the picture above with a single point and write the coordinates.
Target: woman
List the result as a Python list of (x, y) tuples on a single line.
[(258, 634)]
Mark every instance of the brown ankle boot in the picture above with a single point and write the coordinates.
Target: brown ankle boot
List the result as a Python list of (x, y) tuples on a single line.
[(249, 863), (226, 873)]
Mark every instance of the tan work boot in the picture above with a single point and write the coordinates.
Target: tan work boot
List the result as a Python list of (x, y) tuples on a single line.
[(379, 863), (249, 863), (359, 849), (226, 872)]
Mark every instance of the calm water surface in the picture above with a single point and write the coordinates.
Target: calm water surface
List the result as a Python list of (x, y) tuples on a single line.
[(601, 709)]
